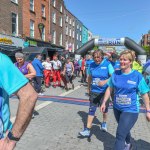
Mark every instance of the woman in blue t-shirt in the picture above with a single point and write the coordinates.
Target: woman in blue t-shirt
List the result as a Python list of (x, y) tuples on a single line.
[(127, 83), (100, 71)]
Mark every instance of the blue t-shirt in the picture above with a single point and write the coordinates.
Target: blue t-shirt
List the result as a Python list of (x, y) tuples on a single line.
[(99, 72), (11, 80), (126, 89), (38, 67), (87, 65), (116, 65)]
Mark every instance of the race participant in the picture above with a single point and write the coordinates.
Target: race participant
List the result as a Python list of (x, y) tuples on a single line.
[(69, 70), (56, 71), (25, 67), (13, 81), (100, 71), (47, 71), (126, 84)]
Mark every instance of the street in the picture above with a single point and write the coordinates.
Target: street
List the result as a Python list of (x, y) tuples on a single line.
[(57, 123)]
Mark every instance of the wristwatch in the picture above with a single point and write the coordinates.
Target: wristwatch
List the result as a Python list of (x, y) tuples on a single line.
[(148, 111), (12, 137)]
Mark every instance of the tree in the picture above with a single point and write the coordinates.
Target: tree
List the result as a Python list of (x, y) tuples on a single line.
[(147, 49)]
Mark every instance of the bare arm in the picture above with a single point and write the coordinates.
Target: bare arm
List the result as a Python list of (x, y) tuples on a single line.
[(27, 99), (32, 73), (145, 97), (89, 83), (72, 67)]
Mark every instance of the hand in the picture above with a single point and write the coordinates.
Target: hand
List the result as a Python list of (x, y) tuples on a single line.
[(103, 107), (6, 144), (101, 83), (148, 116)]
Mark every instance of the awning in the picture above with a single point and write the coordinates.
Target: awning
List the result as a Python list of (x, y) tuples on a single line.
[(37, 50), (9, 50)]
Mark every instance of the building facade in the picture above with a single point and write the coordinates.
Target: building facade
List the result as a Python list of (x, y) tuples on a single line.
[(145, 40), (78, 34), (57, 22), (69, 32), (84, 35)]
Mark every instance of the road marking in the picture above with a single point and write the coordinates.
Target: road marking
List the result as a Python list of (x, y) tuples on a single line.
[(44, 104)]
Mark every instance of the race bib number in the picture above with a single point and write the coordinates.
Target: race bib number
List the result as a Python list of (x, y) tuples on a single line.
[(123, 100), (96, 81)]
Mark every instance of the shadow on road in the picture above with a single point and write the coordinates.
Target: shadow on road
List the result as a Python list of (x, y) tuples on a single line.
[(106, 138)]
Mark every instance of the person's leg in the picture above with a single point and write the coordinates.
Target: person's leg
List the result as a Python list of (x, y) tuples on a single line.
[(92, 109), (54, 78), (39, 84), (35, 83), (59, 78), (126, 121)]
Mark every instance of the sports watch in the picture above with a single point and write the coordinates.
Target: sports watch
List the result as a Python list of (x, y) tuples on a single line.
[(12, 137)]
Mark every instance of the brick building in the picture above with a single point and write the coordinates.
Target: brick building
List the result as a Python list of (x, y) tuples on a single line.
[(57, 22), (145, 40), (69, 31)]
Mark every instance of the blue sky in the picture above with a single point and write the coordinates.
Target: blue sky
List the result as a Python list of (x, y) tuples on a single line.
[(113, 18)]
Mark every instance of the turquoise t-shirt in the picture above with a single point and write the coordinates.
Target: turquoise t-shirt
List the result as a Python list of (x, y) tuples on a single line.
[(11, 80), (126, 89)]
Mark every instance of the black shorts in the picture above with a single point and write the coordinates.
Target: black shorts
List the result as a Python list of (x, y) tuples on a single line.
[(96, 99)]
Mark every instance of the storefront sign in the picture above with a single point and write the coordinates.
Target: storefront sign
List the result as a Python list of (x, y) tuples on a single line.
[(6, 41), (32, 43)]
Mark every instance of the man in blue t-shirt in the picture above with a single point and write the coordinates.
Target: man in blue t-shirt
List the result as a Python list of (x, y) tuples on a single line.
[(100, 71), (13, 81)]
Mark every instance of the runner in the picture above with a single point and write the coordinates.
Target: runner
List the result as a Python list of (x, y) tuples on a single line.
[(47, 71), (13, 81), (100, 71), (69, 70), (25, 67), (126, 84)]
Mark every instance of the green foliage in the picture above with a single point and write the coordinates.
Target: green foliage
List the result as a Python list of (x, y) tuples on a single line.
[(147, 49), (95, 48)]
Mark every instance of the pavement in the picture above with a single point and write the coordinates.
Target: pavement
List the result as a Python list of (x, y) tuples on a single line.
[(60, 118)]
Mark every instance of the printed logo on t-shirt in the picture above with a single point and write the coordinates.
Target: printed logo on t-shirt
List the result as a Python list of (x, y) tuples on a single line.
[(131, 82)]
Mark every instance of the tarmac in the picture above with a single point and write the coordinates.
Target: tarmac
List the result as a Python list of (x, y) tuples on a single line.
[(61, 115)]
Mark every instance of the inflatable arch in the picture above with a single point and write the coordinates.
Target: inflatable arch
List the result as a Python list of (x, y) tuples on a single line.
[(127, 42)]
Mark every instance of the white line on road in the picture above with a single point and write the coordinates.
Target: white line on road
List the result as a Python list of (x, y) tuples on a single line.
[(44, 104)]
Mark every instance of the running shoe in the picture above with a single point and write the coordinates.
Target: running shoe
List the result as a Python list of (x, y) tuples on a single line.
[(104, 126), (40, 94), (85, 133), (128, 147)]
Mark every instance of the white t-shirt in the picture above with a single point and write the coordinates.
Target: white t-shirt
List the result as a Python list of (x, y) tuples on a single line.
[(56, 64), (47, 65)]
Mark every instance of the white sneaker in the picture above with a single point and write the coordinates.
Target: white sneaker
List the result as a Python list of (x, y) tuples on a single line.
[(40, 94)]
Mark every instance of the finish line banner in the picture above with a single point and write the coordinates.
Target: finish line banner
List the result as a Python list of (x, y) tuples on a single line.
[(110, 42)]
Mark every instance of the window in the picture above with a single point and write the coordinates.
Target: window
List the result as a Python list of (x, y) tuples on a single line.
[(60, 21), (54, 36), (77, 46), (60, 40), (148, 38), (70, 21), (43, 34), (73, 23), (15, 1), (77, 26), (54, 17), (70, 32), (77, 36), (32, 5), (43, 10), (80, 38), (66, 18), (32, 28), (61, 8), (66, 45), (54, 3), (80, 28), (73, 33), (14, 24), (66, 30)]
